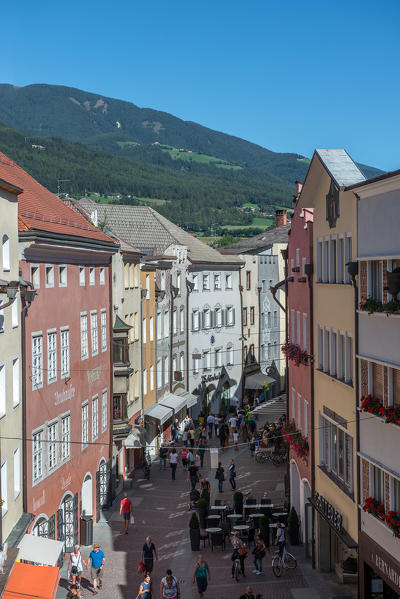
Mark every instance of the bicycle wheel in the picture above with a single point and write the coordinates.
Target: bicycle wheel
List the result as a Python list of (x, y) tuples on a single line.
[(290, 561), (259, 457), (277, 566), (236, 573)]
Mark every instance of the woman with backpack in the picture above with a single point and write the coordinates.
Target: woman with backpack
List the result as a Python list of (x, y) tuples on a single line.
[(259, 554), (169, 587), (75, 566)]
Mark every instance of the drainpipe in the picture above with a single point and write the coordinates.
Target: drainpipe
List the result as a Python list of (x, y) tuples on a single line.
[(23, 399), (189, 289), (285, 254)]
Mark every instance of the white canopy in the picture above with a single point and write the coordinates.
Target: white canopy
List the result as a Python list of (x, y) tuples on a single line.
[(191, 400), (175, 402), (39, 550), (159, 412)]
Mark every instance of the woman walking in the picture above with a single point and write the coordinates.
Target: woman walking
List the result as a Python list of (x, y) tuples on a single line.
[(201, 575), (145, 587), (220, 476), (169, 586), (75, 566), (173, 461), (259, 554)]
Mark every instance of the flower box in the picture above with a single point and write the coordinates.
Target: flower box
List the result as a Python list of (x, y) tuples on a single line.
[(295, 353), (370, 305), (390, 518), (375, 406), (295, 439)]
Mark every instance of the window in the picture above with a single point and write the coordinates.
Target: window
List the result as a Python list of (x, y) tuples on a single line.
[(37, 455), (37, 361), (206, 318), (151, 378), (375, 280), (95, 417), (291, 265), (269, 320), (292, 325), (102, 275), (305, 426), (264, 286), (206, 282), (248, 279), (341, 350), (3, 391), (332, 267), (195, 282), (269, 355), (49, 275), (148, 287), (179, 282), (348, 256), (336, 451), (377, 483), (182, 364), (218, 317), (103, 325), (297, 257), (299, 411), (85, 425), (14, 313), (92, 275), (151, 328), (35, 276), (104, 411), (217, 282), (81, 276), (159, 374), (195, 320), (252, 315), (229, 355), (51, 357), (326, 350), (305, 332), (298, 329), (262, 348), (293, 412), (120, 350), (17, 472), (303, 266), (333, 369), (52, 445), (62, 275), (159, 326), (320, 348), (228, 281), (65, 437), (166, 370), (4, 488), (84, 337), (218, 358), (5, 246), (94, 333), (206, 360), (196, 365), (340, 260), (182, 320), (166, 323), (162, 283), (395, 500), (230, 317), (174, 322), (144, 331), (349, 360), (325, 263), (16, 381), (244, 318), (275, 318), (126, 275), (131, 267)]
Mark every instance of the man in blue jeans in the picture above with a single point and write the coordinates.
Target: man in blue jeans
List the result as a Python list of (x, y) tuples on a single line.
[(97, 560)]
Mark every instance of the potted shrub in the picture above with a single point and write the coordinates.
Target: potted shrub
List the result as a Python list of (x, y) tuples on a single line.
[(194, 530), (238, 502), (293, 527), (393, 282), (202, 506), (264, 529)]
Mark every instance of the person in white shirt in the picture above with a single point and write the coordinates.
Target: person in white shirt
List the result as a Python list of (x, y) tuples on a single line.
[(232, 423), (210, 422), (280, 538)]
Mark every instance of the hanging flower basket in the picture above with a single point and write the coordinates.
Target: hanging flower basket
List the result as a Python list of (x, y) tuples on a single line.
[(295, 353), (295, 439)]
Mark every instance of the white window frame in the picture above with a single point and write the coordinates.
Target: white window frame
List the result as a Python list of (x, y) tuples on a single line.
[(340, 260), (159, 377), (38, 455), (299, 411), (3, 389), (195, 281), (293, 414), (35, 275), (103, 326), (15, 313), (166, 370), (325, 261), (151, 327), (230, 319), (5, 251), (292, 325), (305, 331), (206, 282), (52, 445), (52, 352), (94, 332), (144, 382), (92, 275), (305, 426), (144, 331), (326, 350), (229, 355), (102, 275), (85, 424), (207, 318), (298, 338), (151, 375), (4, 487), (196, 320), (228, 281), (16, 377), (82, 276), (104, 410), (333, 354), (49, 270), (320, 348), (332, 260), (341, 356), (182, 320), (95, 417), (17, 472), (349, 359), (37, 361), (159, 326), (84, 336), (65, 437), (348, 256), (217, 282)]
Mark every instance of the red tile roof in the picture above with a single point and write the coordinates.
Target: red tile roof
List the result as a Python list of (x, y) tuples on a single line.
[(40, 210)]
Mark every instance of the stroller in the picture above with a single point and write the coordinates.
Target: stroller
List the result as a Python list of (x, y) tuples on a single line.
[(194, 497)]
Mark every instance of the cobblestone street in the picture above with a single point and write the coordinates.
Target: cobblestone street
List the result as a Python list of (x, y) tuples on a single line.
[(161, 511)]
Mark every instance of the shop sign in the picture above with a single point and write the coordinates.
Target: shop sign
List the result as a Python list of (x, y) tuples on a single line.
[(65, 395), (382, 566), (333, 516), (206, 378)]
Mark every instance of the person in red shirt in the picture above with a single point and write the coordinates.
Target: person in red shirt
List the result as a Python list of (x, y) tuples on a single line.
[(125, 511)]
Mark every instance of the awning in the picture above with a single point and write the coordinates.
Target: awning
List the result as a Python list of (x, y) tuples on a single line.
[(159, 412), (33, 582), (190, 399), (257, 380), (136, 439), (40, 550), (175, 402)]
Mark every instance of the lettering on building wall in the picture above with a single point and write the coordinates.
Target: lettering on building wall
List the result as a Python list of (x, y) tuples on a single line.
[(65, 395), (206, 378), (327, 509), (390, 573), (65, 482), (37, 503)]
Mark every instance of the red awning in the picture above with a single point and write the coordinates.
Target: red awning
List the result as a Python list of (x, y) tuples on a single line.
[(35, 582)]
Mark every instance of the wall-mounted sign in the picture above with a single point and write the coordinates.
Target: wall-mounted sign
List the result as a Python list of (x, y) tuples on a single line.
[(327, 509), (212, 340), (206, 378)]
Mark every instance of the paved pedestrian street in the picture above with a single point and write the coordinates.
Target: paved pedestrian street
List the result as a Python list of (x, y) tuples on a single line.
[(161, 510)]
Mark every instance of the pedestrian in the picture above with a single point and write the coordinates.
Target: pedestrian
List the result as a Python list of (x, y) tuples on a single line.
[(235, 439), (148, 554), (125, 511), (239, 552), (190, 457), (173, 462), (259, 554), (220, 476), (169, 587), (145, 587), (280, 538), (252, 446), (163, 453), (216, 424), (185, 437), (232, 474), (184, 454), (210, 422), (192, 437), (193, 476), (248, 594), (233, 422), (201, 575), (202, 451), (221, 435), (197, 460), (75, 566), (97, 560)]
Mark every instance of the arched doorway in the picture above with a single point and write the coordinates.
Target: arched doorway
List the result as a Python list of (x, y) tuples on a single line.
[(102, 486), (87, 496), (295, 487), (307, 517), (67, 521)]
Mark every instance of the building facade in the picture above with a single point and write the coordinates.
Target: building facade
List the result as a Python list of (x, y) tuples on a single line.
[(335, 499), (379, 385)]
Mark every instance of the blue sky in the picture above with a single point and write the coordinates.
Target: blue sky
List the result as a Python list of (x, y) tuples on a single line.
[(290, 76)]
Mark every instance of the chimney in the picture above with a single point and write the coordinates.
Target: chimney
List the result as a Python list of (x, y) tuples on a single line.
[(280, 218)]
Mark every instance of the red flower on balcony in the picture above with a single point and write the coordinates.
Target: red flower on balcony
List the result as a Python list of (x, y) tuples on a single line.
[(372, 405), (377, 509), (295, 353)]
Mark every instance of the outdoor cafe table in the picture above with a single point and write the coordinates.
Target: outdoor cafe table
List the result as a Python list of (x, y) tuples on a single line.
[(241, 527), (257, 506), (213, 529), (256, 516), (278, 514), (218, 507), (234, 516)]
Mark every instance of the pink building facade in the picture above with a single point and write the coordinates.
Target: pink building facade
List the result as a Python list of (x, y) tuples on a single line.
[(299, 349)]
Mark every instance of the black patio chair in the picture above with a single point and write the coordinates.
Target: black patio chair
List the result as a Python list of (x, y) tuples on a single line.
[(219, 502), (265, 501), (217, 540)]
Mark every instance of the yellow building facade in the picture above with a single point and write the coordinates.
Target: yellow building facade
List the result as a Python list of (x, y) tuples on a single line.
[(335, 497)]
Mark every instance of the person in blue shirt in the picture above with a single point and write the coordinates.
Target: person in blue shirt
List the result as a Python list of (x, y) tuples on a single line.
[(97, 560)]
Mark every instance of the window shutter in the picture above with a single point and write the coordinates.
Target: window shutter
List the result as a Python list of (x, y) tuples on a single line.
[(201, 319), (212, 318), (193, 321)]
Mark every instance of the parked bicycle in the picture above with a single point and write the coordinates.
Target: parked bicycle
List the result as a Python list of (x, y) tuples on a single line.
[(280, 562)]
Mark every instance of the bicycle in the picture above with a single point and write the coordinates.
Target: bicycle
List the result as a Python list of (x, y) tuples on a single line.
[(279, 563), (237, 571)]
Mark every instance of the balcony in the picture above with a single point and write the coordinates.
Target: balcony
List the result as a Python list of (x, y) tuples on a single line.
[(120, 351), (121, 426)]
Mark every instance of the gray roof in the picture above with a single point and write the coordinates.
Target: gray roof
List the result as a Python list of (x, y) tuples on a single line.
[(253, 244), (147, 230), (340, 166)]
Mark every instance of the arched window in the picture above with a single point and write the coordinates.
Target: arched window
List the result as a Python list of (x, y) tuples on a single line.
[(41, 528), (5, 247)]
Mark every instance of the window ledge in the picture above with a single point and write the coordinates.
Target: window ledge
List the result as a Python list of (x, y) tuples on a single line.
[(339, 483), (335, 378)]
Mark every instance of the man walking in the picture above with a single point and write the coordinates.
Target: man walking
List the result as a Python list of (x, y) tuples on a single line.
[(125, 511), (232, 474), (97, 560), (148, 554), (210, 422), (163, 452), (193, 476)]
